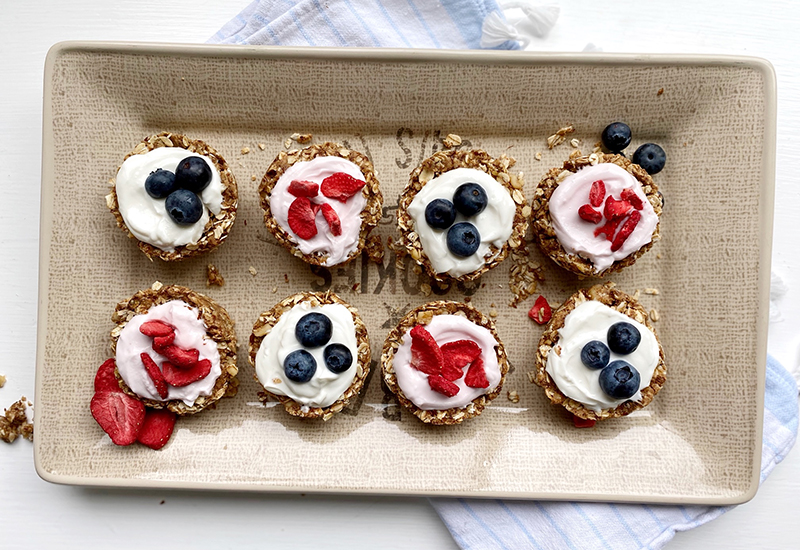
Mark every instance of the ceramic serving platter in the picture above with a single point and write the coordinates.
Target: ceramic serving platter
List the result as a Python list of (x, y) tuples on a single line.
[(698, 442)]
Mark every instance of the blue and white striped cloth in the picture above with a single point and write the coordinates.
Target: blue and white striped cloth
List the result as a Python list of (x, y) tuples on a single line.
[(496, 524)]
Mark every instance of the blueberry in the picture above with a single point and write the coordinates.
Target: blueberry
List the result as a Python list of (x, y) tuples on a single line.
[(651, 157), (184, 207), (620, 380), (193, 173), (299, 366), (160, 184), (337, 358), (440, 213), (463, 239), (623, 338), (470, 199), (313, 330), (595, 354), (616, 136)]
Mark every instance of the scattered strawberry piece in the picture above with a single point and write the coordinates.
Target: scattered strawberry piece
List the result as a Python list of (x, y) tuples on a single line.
[(156, 328), (315, 209), (442, 385), (160, 343), (301, 188), (461, 352), (425, 353), (119, 414), (476, 375), (332, 218), (450, 371), (155, 375), (183, 377), (608, 229), (597, 193), (626, 230), (105, 380), (181, 358), (582, 422), (341, 186), (540, 313), (301, 218), (156, 428), (616, 209), (586, 212), (630, 195)]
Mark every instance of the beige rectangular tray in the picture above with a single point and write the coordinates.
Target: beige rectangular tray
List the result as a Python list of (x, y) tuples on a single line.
[(698, 442)]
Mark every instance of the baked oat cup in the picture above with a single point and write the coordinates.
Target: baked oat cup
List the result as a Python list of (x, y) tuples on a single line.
[(194, 329), (206, 211), (321, 202), (460, 213), (311, 352), (597, 214), (444, 362), (579, 344)]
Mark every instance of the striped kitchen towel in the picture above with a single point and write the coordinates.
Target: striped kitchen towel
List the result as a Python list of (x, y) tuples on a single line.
[(459, 24)]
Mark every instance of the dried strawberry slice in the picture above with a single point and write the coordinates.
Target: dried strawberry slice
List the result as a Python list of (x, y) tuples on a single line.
[(301, 218), (181, 358), (608, 229), (156, 328), (442, 385), (476, 375), (425, 353), (540, 313), (183, 377), (157, 428), (615, 209), (155, 375), (630, 195), (582, 422), (597, 193), (301, 188), (332, 218), (461, 352), (626, 230), (105, 380), (119, 414), (586, 212), (450, 371), (341, 186), (160, 343)]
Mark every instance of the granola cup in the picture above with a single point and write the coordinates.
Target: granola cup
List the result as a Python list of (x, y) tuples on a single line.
[(621, 302), (423, 315), (438, 164), (219, 329), (267, 320), (217, 227), (370, 215), (543, 224)]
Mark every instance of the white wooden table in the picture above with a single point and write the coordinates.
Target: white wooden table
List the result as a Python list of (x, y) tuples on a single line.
[(39, 515)]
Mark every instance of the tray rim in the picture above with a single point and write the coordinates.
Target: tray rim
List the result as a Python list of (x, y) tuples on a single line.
[(396, 55)]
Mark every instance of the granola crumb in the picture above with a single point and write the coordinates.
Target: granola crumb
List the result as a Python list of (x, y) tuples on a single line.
[(287, 143), (354, 288), (513, 396), (374, 249), (451, 140), (425, 288), (531, 376), (660, 91), (15, 422), (286, 278), (575, 143), (163, 501), (245, 150), (637, 294), (276, 380), (274, 289), (262, 146), (213, 276), (538, 156), (302, 138), (493, 313), (654, 316), (658, 256), (252, 177), (252, 271), (560, 136), (2, 380), (652, 291), (524, 275)]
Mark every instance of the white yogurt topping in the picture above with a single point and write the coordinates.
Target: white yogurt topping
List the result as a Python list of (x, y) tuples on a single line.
[(337, 247), (494, 224), (590, 321), (577, 235), (190, 333), (325, 387), (147, 217), (444, 329)]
